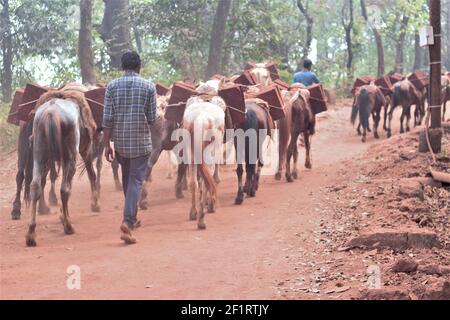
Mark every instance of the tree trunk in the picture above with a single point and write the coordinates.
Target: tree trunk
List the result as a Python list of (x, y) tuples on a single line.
[(304, 9), (399, 56), (378, 40), (217, 37), (115, 30), (348, 37), (7, 55), (417, 53), (85, 53)]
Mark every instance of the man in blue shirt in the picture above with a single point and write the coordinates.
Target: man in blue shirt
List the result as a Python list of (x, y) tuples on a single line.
[(306, 77)]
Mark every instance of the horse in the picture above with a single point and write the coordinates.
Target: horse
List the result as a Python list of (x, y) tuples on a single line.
[(261, 74), (406, 95), (369, 99), (299, 119), (257, 119), (445, 83), (63, 126), (200, 119)]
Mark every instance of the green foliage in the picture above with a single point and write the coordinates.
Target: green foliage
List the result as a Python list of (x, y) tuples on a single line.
[(8, 132)]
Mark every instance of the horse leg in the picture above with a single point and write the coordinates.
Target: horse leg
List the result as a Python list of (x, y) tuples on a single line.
[(99, 165), (68, 167), (115, 169), (364, 135), (203, 199), (308, 162), (36, 192), (389, 129), (20, 176), (444, 108), (193, 181), (358, 129), (240, 193), (251, 174), (52, 199), (376, 121), (216, 173), (42, 206), (408, 118), (402, 117), (181, 178), (95, 206), (258, 173)]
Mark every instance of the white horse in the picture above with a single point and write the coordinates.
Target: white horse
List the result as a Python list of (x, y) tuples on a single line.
[(204, 121)]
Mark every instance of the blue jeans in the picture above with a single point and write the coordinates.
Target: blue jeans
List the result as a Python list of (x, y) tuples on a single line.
[(134, 172)]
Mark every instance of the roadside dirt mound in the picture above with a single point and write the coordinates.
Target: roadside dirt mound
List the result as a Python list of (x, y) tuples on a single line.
[(395, 218)]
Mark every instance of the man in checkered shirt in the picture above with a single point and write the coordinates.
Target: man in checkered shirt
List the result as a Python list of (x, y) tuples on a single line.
[(130, 109)]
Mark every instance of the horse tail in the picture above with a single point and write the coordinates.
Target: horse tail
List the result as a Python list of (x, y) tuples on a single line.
[(354, 111), (28, 164), (208, 179), (52, 127), (364, 108), (396, 97)]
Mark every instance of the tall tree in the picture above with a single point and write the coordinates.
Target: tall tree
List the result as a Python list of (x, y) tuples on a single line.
[(85, 53), (115, 30), (400, 45), (303, 6), (217, 38), (418, 54), (7, 55), (347, 23), (378, 39)]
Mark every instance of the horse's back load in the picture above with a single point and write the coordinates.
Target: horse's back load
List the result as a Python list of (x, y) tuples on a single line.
[(272, 68), (396, 77), (419, 79), (161, 90), (281, 84), (385, 85), (13, 116), (317, 98), (233, 95), (246, 79), (95, 98), (31, 95), (361, 81), (181, 92), (272, 96)]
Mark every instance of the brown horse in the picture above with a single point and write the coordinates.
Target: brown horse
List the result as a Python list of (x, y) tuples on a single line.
[(63, 127), (406, 95), (369, 99), (248, 150), (299, 120)]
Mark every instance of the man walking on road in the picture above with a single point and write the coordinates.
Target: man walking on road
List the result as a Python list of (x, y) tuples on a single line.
[(306, 76), (130, 109)]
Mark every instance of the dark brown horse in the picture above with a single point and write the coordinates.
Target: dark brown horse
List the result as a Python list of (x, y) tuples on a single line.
[(248, 143), (299, 120), (63, 127), (369, 100), (406, 95)]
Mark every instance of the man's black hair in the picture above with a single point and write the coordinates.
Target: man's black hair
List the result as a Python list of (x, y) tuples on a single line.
[(131, 61), (307, 64)]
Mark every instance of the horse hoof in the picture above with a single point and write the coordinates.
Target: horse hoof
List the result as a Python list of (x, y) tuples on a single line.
[(193, 215), (239, 199), (363, 140), (289, 178), (376, 136), (295, 175), (43, 210), (211, 208), (15, 214), (408, 129), (68, 229), (143, 205), (30, 240), (179, 194), (216, 179), (308, 165), (201, 226), (278, 176), (359, 133), (95, 207), (389, 134)]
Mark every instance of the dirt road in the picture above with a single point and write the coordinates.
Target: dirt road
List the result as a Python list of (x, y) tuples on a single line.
[(246, 252)]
